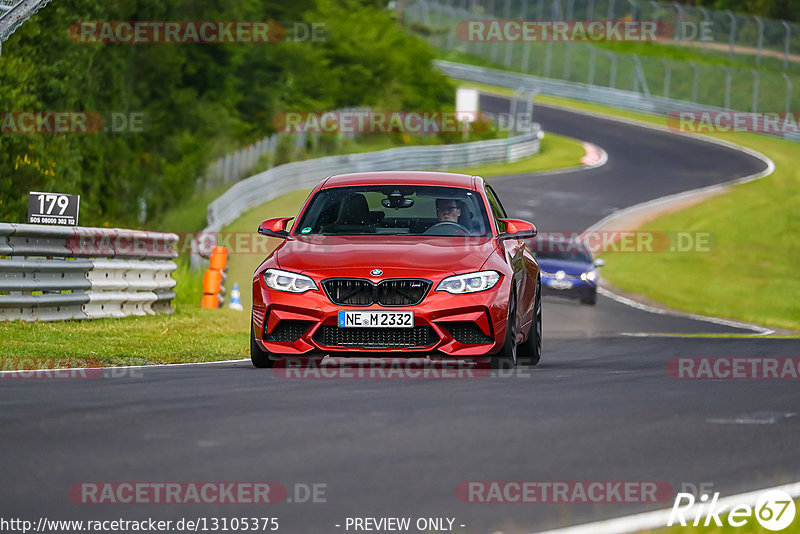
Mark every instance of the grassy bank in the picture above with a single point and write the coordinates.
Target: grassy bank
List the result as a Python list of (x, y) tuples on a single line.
[(750, 274)]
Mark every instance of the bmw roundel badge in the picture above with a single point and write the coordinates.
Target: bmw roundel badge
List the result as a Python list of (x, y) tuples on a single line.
[(376, 272)]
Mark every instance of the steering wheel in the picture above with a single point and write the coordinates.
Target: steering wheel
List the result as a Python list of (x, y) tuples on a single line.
[(449, 227)]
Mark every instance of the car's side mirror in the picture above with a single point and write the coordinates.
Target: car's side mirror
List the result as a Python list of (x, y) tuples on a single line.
[(275, 227), (518, 229), (599, 262)]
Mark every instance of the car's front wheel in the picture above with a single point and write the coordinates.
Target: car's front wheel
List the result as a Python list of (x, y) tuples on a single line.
[(259, 357), (507, 357), (530, 352)]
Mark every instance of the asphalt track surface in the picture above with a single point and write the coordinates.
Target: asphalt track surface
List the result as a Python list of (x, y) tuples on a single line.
[(600, 406)]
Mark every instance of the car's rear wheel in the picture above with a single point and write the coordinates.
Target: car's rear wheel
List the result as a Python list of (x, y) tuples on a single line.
[(507, 357), (260, 358), (530, 352)]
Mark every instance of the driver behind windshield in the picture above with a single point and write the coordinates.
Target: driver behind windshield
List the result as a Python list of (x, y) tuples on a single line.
[(447, 210)]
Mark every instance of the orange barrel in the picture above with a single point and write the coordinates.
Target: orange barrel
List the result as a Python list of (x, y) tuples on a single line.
[(212, 281), (210, 302), (218, 259)]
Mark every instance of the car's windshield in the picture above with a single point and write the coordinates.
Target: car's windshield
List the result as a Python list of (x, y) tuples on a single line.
[(395, 210), (562, 251)]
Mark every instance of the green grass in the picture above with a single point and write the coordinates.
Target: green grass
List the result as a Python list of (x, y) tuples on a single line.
[(157, 339), (751, 274), (557, 152)]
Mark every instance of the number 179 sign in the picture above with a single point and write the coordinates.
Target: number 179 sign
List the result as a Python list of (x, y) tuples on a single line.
[(53, 208)]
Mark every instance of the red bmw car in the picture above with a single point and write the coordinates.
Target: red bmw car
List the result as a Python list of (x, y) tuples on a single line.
[(399, 262)]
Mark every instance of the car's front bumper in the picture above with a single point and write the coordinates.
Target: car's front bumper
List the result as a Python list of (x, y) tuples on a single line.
[(454, 325)]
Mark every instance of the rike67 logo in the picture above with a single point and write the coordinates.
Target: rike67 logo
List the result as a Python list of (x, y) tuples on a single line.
[(774, 510)]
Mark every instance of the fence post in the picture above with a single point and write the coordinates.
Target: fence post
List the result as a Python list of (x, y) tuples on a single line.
[(760, 42), (592, 60), (612, 77), (567, 61), (633, 9), (727, 102), (786, 45), (639, 78), (756, 79), (590, 10), (610, 12), (695, 80), (679, 9), (548, 53), (788, 91), (732, 39), (667, 76), (706, 18)]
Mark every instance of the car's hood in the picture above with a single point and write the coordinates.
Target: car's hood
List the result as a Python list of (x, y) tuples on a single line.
[(356, 256), (574, 268)]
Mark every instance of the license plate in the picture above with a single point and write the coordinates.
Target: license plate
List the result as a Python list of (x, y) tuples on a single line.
[(560, 284), (376, 319)]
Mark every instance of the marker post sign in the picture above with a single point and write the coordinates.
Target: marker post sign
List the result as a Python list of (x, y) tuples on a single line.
[(467, 102), (55, 209)]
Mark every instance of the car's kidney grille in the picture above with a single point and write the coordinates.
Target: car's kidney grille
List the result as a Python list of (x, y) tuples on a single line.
[(359, 292), (334, 336)]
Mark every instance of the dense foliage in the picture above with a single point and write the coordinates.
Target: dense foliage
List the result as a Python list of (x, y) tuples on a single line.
[(199, 100), (775, 9)]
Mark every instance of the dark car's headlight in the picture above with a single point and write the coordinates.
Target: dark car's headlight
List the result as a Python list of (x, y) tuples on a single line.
[(591, 276), (286, 281), (469, 283)]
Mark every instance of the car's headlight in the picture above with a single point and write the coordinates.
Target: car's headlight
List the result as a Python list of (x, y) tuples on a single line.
[(286, 281), (469, 283), (591, 276)]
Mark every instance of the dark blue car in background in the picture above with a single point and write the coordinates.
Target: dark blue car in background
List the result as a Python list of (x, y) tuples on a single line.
[(568, 269)]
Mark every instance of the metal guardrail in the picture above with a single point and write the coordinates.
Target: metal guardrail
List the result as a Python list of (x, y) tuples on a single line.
[(53, 273), (270, 184), (617, 98)]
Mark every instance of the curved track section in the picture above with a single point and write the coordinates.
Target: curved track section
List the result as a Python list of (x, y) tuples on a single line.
[(600, 406)]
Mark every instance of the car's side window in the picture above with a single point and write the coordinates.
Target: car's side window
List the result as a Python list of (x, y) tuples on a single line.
[(497, 209)]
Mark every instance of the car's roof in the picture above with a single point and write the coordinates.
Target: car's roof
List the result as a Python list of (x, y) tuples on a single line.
[(446, 179)]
